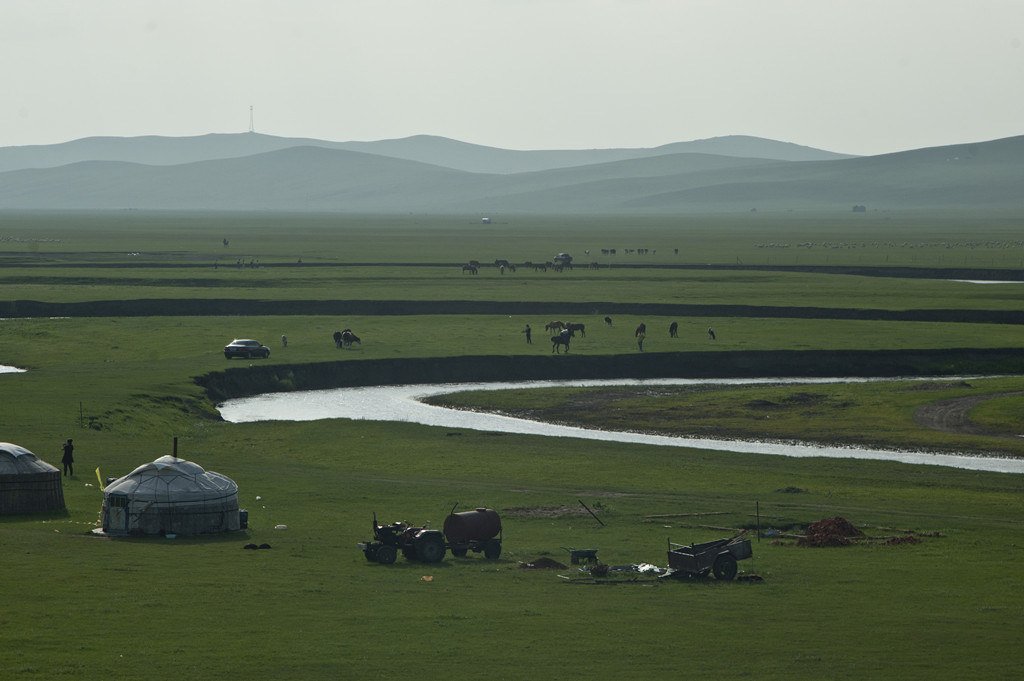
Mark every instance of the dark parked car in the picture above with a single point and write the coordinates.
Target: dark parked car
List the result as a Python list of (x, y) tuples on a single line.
[(246, 348)]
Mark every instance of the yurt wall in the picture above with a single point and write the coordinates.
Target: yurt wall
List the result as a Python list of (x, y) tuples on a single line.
[(28, 484)]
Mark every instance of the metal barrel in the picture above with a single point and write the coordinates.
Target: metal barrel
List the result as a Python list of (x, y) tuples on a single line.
[(483, 523)]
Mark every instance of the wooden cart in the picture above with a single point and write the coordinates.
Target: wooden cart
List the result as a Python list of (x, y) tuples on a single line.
[(718, 557)]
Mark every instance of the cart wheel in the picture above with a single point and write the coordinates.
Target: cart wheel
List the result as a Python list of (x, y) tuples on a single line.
[(386, 555), (725, 567), (430, 549), (492, 549)]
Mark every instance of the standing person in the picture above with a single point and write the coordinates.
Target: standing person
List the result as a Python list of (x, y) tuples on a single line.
[(528, 332), (711, 333), (69, 458), (640, 333)]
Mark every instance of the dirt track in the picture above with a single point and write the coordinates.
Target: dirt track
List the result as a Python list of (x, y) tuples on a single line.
[(950, 416)]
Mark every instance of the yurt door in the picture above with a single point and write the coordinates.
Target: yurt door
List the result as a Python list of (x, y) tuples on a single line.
[(117, 513)]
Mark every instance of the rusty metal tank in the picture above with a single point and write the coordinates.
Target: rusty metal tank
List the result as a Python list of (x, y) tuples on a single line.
[(471, 526)]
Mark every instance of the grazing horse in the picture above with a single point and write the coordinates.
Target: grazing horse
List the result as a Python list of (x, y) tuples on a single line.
[(582, 328), (608, 321), (347, 338), (468, 268), (337, 339), (673, 330), (560, 340), (550, 326)]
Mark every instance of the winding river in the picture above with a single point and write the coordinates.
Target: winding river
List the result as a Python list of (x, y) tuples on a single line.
[(403, 403)]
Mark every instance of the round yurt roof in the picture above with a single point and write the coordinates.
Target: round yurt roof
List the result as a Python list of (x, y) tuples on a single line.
[(172, 479), (16, 460)]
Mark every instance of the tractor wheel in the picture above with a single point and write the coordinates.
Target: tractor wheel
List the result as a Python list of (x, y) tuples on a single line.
[(492, 549), (386, 555), (725, 567), (430, 549), (460, 552)]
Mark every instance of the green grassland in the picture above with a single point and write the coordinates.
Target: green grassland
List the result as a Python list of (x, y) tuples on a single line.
[(879, 415), (79, 606)]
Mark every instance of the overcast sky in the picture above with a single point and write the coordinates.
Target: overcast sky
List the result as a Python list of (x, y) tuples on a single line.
[(852, 76)]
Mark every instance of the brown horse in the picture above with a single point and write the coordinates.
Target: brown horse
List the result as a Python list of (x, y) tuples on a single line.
[(550, 326), (560, 340), (468, 268)]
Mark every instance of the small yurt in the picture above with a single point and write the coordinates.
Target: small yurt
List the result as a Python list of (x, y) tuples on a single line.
[(27, 484), (170, 496)]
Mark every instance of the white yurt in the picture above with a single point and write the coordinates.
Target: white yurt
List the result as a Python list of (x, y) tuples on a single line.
[(170, 496), (27, 483)]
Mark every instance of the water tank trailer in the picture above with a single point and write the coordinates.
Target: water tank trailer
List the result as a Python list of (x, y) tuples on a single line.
[(478, 531)]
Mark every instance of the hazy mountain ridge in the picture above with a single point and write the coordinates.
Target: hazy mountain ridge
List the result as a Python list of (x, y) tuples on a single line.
[(316, 177), (155, 150)]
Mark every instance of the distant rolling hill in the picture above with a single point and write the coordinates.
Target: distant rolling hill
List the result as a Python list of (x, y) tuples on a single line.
[(427, 174), (153, 150)]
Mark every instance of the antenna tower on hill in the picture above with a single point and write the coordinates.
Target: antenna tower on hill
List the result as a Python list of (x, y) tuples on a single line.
[(251, 128)]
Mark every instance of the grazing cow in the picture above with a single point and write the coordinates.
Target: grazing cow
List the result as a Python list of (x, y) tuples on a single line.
[(560, 340), (468, 268), (578, 327), (608, 321), (673, 330), (550, 326), (348, 338), (337, 339)]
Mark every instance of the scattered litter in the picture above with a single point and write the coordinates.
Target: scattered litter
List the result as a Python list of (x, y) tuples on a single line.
[(280, 527), (258, 498), (170, 536), (427, 578)]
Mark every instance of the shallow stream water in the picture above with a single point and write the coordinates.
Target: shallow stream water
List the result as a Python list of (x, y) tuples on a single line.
[(403, 403)]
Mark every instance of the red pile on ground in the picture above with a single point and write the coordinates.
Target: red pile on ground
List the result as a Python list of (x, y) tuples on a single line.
[(830, 532)]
